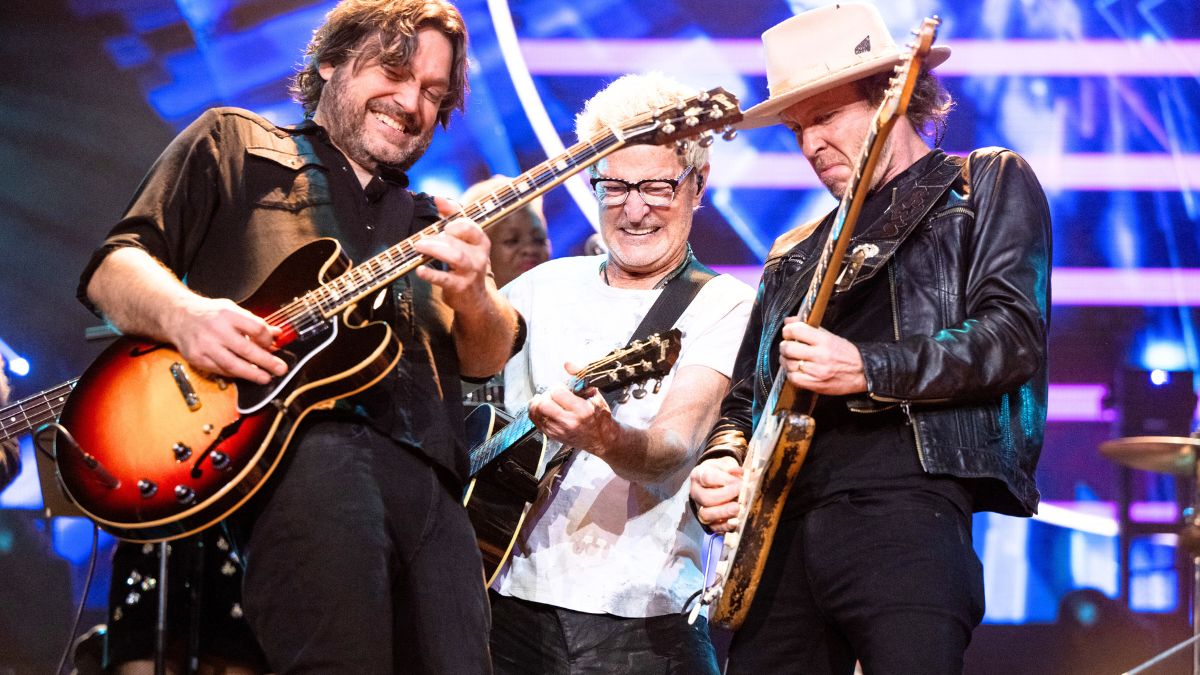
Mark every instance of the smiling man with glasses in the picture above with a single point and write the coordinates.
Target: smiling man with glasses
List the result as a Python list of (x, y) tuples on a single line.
[(609, 555)]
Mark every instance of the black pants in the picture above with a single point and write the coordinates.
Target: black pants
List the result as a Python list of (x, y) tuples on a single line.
[(891, 580), (361, 560), (530, 638)]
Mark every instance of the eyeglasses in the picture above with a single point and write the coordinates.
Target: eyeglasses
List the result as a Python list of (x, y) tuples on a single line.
[(654, 191)]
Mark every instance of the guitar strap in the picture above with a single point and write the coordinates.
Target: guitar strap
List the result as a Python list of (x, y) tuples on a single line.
[(682, 286)]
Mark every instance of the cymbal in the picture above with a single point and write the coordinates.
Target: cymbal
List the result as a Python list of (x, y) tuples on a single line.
[(1162, 454)]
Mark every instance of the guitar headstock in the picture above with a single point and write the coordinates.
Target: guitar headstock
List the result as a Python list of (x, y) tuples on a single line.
[(695, 116), (904, 78), (648, 359)]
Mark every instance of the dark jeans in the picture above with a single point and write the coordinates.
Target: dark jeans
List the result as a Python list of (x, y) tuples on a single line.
[(529, 638), (362, 561), (888, 579)]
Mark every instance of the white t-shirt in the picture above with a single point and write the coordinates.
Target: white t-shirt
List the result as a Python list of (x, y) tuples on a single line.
[(599, 543)]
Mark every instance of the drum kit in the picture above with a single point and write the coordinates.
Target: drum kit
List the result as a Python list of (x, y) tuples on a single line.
[(1177, 456)]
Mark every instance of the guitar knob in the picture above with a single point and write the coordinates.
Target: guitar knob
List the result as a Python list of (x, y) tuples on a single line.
[(220, 460), (184, 494), (146, 488), (182, 452)]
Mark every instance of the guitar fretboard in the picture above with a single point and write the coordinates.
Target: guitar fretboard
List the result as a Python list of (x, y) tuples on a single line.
[(500, 441), (30, 413), (335, 296)]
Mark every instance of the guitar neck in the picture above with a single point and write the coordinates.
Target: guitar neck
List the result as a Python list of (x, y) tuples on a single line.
[(30, 413), (518, 428), (833, 252), (334, 297), (498, 443)]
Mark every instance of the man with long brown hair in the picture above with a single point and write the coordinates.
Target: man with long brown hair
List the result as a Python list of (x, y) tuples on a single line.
[(360, 558)]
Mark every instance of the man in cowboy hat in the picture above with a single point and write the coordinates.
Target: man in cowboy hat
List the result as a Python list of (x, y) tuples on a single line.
[(931, 371)]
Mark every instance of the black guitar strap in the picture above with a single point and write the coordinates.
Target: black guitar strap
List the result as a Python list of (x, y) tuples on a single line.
[(681, 288)]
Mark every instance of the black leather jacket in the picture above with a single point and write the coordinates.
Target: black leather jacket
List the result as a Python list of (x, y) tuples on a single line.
[(966, 247)]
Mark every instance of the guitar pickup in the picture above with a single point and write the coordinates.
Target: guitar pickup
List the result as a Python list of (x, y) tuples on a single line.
[(185, 386), (854, 265)]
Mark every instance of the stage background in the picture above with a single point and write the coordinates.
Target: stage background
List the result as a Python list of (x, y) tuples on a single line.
[(1100, 95)]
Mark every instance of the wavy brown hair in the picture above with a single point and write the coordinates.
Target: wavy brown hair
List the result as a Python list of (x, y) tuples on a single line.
[(928, 108), (362, 30)]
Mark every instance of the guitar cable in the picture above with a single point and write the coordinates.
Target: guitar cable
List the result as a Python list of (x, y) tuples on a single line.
[(87, 585), (709, 542), (42, 444)]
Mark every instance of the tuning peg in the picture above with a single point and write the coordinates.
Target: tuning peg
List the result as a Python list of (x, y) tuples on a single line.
[(705, 140), (729, 133), (681, 104), (692, 120), (702, 96), (657, 385), (668, 128), (624, 397), (716, 112), (639, 392)]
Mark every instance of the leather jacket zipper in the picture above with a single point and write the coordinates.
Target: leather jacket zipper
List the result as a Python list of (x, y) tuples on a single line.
[(905, 406)]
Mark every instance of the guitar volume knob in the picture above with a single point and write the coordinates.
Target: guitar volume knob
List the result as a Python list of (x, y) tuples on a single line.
[(182, 452), (220, 460), (146, 488), (184, 494)]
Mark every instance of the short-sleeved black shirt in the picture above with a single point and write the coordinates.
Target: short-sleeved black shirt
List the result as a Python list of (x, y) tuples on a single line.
[(233, 195)]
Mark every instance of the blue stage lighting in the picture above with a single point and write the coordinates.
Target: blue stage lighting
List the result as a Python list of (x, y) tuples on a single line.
[(1164, 355)]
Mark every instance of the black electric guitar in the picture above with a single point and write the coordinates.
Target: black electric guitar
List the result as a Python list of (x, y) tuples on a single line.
[(785, 429), (30, 413), (158, 450), (502, 489)]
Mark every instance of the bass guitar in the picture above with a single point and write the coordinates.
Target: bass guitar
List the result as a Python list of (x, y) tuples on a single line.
[(160, 450), (28, 414), (500, 490), (781, 437)]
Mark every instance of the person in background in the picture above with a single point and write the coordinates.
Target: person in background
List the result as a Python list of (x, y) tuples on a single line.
[(519, 240), (10, 449)]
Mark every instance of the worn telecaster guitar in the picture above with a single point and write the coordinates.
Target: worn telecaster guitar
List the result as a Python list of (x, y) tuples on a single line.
[(784, 430), (500, 491), (157, 450)]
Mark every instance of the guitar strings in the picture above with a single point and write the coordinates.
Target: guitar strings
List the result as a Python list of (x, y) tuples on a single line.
[(299, 315)]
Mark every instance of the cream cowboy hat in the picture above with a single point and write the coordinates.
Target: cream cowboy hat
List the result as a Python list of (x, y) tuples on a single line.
[(822, 48)]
